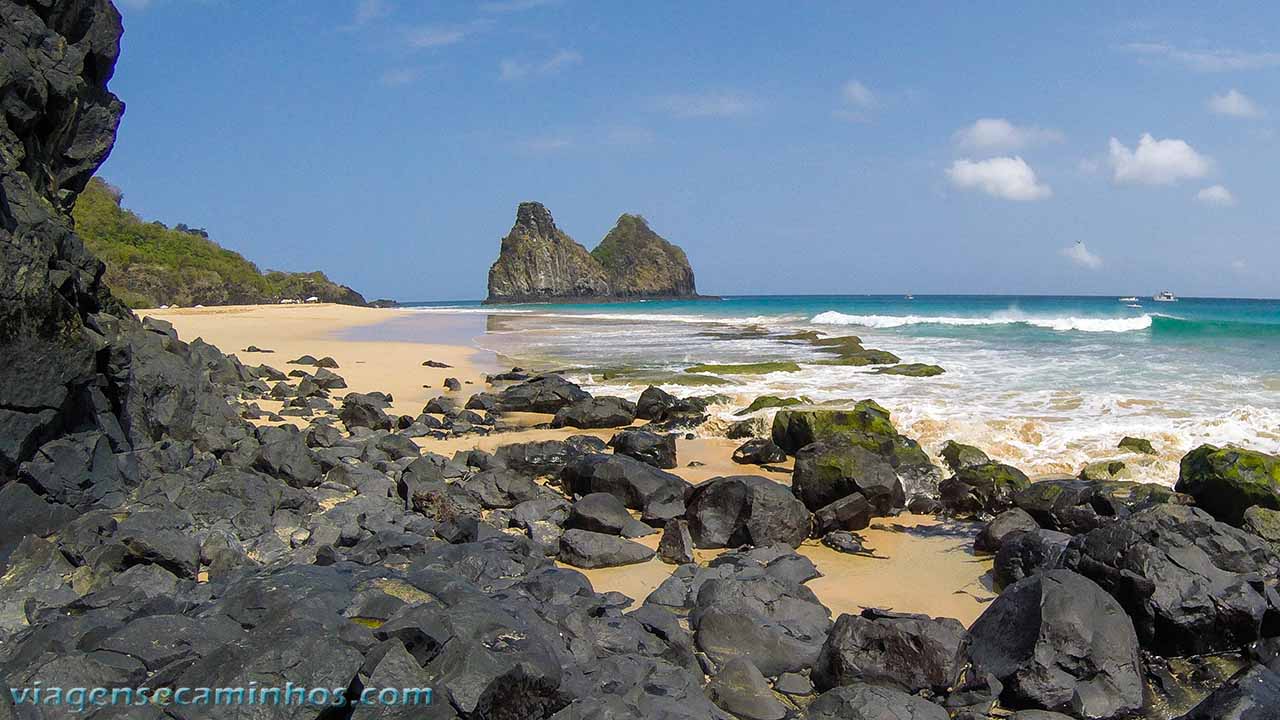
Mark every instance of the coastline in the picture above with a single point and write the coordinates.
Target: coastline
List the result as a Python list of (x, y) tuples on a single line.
[(909, 568)]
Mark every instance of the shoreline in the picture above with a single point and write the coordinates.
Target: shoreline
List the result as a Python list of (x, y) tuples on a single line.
[(908, 570)]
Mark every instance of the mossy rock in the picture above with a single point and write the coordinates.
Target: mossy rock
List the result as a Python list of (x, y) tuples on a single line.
[(843, 343), (770, 401), (1264, 523), (1137, 445), (1102, 471), (958, 455), (863, 358), (810, 336), (793, 429), (750, 332), (760, 368), (1226, 482), (986, 489), (1135, 496), (912, 370)]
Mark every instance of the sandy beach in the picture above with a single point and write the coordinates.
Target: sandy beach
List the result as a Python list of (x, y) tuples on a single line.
[(914, 564)]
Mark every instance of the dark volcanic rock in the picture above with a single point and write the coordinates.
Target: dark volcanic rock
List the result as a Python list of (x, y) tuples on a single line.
[(745, 509), (1058, 642), (1027, 552), (602, 513), (647, 447), (742, 690), (658, 495), (982, 489), (58, 124), (861, 701), (542, 394), (1000, 527), (759, 451), (596, 412), (653, 403), (851, 512), (825, 473), (867, 426), (586, 549), (676, 545), (908, 652), (1228, 481), (958, 456), (361, 410), (1193, 585), (1254, 694)]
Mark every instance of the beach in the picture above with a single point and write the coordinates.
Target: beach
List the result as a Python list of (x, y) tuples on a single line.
[(913, 564)]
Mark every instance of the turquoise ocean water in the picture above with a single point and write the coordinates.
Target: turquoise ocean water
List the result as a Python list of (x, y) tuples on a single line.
[(1046, 382)]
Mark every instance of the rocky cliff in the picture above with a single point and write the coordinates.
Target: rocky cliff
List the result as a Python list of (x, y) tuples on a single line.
[(540, 263), (76, 361)]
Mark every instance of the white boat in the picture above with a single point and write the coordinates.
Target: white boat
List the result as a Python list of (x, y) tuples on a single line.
[(1165, 296), (908, 296), (1129, 299)]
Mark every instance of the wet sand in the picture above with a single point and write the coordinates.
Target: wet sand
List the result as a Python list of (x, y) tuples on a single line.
[(915, 564)]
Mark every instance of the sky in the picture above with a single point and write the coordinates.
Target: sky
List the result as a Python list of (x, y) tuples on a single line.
[(983, 147)]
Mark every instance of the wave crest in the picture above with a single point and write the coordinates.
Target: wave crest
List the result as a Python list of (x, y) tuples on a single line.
[(1063, 324)]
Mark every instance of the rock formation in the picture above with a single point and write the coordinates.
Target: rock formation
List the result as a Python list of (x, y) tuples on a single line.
[(641, 264), (538, 262)]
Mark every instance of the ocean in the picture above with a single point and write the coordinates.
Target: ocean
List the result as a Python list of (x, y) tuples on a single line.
[(1046, 383)]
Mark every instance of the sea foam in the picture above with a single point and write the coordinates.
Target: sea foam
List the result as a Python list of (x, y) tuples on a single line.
[(1080, 324)]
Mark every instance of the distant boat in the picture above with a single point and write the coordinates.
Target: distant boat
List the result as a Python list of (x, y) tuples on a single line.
[(1165, 296), (1129, 299), (1133, 305), (908, 296)]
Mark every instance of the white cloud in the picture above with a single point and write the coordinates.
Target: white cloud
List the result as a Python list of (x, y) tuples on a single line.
[(430, 36), (561, 59), (1234, 103), (1000, 135), (1010, 178), (1156, 162), (703, 105), (1220, 60), (1080, 255), (396, 77), (1216, 195), (857, 101)]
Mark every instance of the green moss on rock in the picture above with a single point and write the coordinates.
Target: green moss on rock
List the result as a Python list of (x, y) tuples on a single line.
[(912, 370), (1102, 471), (1228, 481), (770, 401), (760, 368), (1137, 445)]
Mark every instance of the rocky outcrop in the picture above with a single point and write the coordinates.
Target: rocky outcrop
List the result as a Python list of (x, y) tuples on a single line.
[(538, 262), (641, 264), (57, 125)]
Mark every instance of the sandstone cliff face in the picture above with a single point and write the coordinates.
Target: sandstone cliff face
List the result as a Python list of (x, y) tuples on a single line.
[(540, 263), (640, 263)]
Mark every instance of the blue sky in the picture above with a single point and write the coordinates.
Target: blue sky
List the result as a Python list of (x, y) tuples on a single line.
[(827, 148)]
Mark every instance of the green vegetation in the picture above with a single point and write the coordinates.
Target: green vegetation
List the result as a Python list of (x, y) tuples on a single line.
[(760, 368), (150, 264)]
